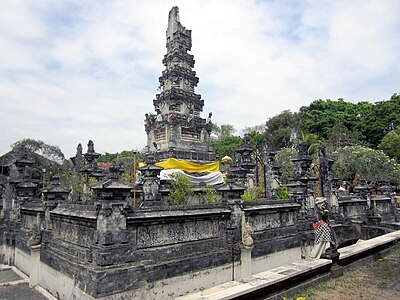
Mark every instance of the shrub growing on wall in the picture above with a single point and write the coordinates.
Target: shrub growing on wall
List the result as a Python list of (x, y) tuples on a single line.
[(251, 194), (282, 192), (210, 195), (181, 189)]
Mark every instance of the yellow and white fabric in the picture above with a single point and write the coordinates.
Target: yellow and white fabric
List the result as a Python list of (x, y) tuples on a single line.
[(188, 166), (209, 179)]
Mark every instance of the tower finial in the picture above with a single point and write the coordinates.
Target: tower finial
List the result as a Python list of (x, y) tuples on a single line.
[(173, 22)]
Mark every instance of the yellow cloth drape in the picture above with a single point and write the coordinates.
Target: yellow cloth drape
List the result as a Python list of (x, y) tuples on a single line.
[(173, 163)]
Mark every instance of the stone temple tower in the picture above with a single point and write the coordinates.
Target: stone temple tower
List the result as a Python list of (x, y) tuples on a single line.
[(176, 129)]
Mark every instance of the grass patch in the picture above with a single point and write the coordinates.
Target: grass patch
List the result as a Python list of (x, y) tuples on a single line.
[(379, 280)]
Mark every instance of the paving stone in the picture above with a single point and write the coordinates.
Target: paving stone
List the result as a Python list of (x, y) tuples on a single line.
[(8, 275), (20, 292)]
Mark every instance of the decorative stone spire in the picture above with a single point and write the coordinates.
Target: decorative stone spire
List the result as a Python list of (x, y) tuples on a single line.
[(177, 129), (177, 35)]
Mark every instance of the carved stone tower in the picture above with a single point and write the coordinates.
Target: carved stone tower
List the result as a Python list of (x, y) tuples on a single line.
[(177, 130)]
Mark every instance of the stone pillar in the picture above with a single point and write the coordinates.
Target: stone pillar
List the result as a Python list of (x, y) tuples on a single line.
[(233, 232), (246, 247), (245, 261), (35, 266), (151, 182), (10, 248)]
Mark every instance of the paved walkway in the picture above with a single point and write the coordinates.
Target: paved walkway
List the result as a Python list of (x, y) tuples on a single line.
[(14, 286)]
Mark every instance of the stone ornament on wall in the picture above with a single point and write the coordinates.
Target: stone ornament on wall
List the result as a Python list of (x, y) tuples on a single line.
[(247, 230)]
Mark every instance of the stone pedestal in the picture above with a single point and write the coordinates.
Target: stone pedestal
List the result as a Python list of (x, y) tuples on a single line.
[(35, 266), (245, 261)]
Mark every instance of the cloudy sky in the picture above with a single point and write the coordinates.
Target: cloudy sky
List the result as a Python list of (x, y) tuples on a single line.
[(71, 71)]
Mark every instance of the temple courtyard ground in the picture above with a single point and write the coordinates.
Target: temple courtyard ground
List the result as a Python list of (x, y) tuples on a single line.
[(379, 280), (14, 286)]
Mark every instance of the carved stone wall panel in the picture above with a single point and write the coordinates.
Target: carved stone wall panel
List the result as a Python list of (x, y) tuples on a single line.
[(383, 206), (272, 220), (28, 221), (353, 208), (74, 231), (173, 233)]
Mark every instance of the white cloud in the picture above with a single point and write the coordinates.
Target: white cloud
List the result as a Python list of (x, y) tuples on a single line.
[(78, 70)]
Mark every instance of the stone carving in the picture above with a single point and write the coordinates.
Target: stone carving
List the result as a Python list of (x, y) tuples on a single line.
[(344, 140), (343, 191), (247, 230), (321, 205), (36, 237), (209, 118), (78, 158), (90, 147)]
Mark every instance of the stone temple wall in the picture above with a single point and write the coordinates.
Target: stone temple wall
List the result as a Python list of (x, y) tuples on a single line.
[(110, 249), (155, 244), (274, 226)]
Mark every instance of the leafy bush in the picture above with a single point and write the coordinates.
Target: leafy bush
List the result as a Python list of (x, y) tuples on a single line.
[(251, 194), (372, 164), (181, 189), (282, 192), (210, 195)]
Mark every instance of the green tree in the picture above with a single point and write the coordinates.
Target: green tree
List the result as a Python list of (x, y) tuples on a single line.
[(282, 130), (336, 132), (226, 146), (46, 157), (390, 144), (50, 152), (372, 164), (281, 138), (283, 159), (257, 141), (124, 159), (312, 141), (108, 157), (368, 123), (384, 117), (321, 115), (227, 130)]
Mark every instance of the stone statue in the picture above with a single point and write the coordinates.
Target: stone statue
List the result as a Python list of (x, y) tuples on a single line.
[(247, 240), (321, 205), (90, 147), (78, 158), (321, 151), (209, 118), (343, 189)]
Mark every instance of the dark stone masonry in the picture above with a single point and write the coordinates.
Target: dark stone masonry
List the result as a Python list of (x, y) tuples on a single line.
[(98, 245)]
